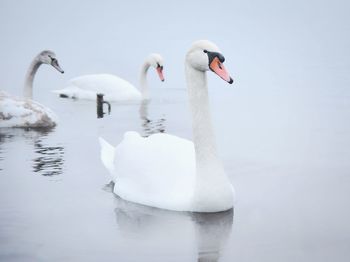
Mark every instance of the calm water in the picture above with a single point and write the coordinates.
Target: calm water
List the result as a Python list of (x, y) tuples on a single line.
[(287, 156)]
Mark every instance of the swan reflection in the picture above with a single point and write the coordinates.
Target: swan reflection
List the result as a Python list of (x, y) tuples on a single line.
[(212, 232), (29, 134), (150, 126), (149, 227), (5, 136), (48, 159)]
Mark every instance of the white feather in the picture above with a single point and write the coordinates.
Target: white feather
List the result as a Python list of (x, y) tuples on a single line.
[(24, 112), (107, 154)]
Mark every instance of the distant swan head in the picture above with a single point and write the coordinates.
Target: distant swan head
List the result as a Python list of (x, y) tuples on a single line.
[(205, 55), (49, 57), (156, 61)]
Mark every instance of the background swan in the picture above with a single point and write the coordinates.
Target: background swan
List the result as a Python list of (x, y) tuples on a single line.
[(169, 172), (113, 87), (24, 112)]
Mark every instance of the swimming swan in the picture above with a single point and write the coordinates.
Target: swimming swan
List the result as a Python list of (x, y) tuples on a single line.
[(169, 172), (24, 112), (113, 87)]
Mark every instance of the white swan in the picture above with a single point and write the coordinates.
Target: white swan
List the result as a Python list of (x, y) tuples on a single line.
[(113, 87), (169, 172), (24, 112)]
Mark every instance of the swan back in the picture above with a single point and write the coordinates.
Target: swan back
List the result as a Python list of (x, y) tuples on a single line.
[(157, 171), (113, 87), (20, 112)]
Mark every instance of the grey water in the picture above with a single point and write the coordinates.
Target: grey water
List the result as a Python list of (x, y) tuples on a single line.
[(291, 180)]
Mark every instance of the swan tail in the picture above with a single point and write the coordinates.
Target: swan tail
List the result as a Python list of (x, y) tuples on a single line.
[(107, 154)]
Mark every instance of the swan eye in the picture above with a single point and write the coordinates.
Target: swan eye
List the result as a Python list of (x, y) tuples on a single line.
[(159, 66), (53, 60), (205, 51)]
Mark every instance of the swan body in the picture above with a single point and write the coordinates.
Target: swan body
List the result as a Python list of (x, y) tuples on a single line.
[(24, 112), (160, 184), (113, 87), (169, 172)]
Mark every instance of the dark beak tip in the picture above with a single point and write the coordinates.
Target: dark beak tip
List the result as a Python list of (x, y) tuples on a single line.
[(62, 72), (231, 80), (162, 80)]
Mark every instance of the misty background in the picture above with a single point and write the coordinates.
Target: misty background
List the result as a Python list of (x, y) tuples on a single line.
[(290, 61)]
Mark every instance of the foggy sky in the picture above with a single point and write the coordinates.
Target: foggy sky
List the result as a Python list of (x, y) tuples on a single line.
[(266, 43)]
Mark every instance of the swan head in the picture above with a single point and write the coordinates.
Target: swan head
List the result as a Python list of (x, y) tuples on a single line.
[(49, 57), (205, 55), (156, 61)]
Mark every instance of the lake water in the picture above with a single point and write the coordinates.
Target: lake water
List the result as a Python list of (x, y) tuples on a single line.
[(287, 156)]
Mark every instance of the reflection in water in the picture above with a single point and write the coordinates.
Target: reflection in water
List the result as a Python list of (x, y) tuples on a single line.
[(149, 126), (147, 225), (4, 136), (10, 134), (50, 160), (1, 158), (212, 232)]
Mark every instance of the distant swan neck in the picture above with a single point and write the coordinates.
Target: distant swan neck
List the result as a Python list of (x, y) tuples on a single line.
[(28, 85), (143, 81)]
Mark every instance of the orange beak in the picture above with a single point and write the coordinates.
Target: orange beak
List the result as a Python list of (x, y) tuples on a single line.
[(218, 68), (160, 73)]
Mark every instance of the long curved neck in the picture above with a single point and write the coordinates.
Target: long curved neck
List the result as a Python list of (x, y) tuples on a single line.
[(213, 190), (28, 85), (203, 134), (143, 80)]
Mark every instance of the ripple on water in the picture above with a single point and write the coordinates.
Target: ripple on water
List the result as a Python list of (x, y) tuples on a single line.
[(49, 160)]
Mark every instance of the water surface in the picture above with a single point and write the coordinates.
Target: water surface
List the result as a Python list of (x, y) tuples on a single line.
[(287, 161)]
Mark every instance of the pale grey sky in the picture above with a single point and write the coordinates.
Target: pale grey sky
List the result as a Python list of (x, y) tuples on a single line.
[(266, 43)]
